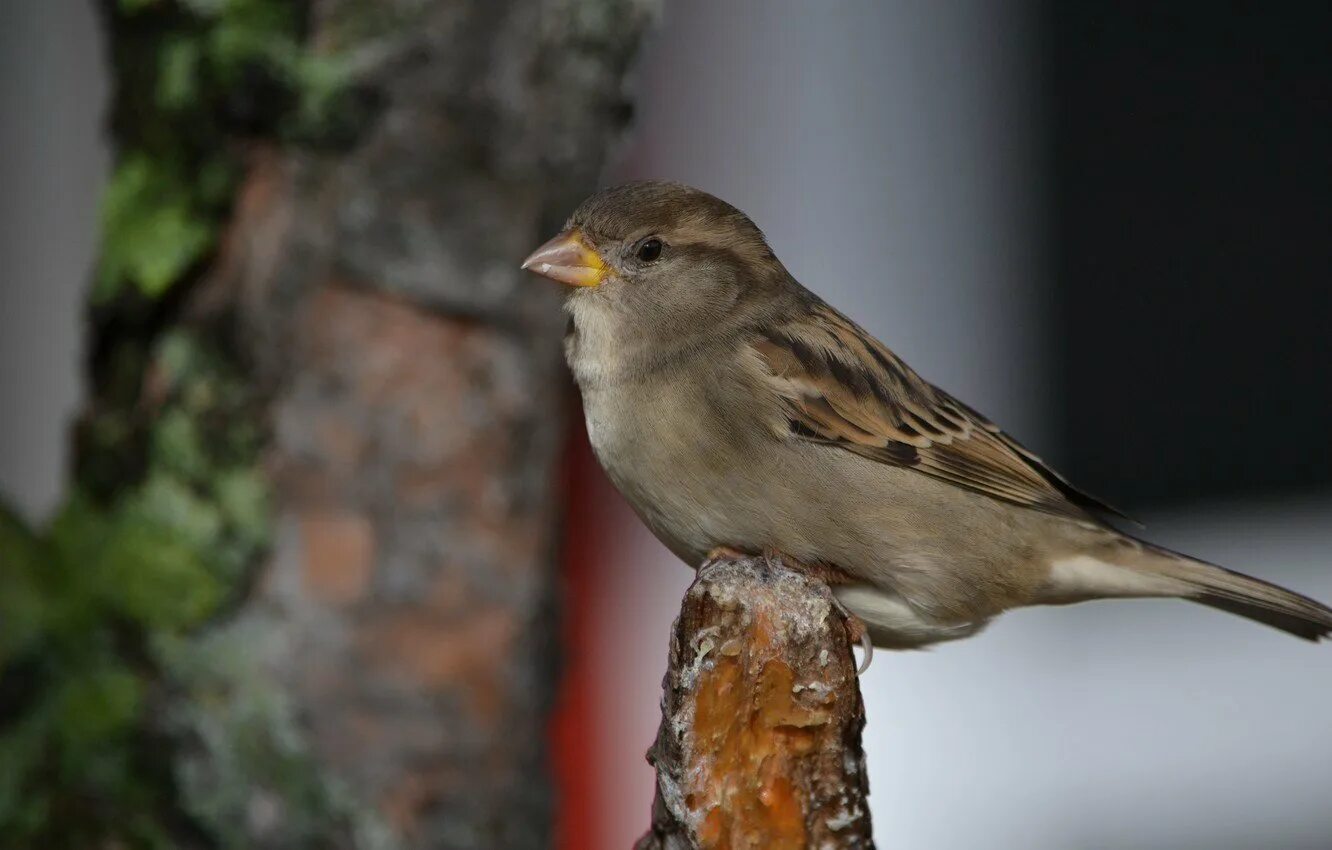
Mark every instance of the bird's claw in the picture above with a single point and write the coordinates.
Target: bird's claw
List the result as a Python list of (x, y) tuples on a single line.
[(859, 632), (866, 643)]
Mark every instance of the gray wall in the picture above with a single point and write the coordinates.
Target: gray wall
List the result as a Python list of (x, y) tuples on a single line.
[(52, 163)]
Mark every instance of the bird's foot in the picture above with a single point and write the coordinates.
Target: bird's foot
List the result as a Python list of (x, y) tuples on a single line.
[(854, 625), (771, 557), (724, 553), (859, 632)]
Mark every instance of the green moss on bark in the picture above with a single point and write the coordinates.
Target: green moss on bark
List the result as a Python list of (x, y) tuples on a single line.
[(196, 78), (244, 770), (90, 599), (142, 700), (108, 613)]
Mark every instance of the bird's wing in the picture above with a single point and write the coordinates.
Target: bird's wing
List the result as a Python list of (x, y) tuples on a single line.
[(842, 387)]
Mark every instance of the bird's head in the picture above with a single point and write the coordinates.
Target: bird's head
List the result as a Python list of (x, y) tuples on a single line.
[(657, 259)]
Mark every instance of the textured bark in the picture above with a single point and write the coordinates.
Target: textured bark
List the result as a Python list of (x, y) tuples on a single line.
[(759, 745), (420, 410), (384, 673)]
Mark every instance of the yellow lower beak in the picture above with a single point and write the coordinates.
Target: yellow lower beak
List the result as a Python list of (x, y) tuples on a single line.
[(568, 259)]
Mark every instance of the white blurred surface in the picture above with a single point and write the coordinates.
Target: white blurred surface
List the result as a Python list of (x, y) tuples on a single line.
[(1125, 724)]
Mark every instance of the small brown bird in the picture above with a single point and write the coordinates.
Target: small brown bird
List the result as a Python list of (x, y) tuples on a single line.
[(739, 412)]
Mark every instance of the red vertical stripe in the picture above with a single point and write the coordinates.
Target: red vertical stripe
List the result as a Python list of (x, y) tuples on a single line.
[(574, 725)]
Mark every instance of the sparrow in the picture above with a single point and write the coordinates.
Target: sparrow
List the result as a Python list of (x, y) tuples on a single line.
[(739, 413)]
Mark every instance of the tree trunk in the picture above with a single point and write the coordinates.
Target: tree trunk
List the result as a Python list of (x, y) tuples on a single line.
[(759, 745), (326, 418)]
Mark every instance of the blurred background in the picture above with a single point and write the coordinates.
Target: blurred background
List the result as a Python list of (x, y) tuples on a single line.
[(1103, 224)]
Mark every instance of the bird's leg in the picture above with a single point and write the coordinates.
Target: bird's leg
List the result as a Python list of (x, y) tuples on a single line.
[(859, 632), (724, 553)]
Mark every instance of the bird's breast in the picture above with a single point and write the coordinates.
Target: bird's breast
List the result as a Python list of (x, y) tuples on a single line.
[(678, 452)]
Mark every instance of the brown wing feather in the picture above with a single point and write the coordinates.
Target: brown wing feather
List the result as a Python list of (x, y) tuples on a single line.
[(845, 388)]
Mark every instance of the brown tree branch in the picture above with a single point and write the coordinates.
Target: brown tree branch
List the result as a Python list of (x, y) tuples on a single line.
[(759, 745)]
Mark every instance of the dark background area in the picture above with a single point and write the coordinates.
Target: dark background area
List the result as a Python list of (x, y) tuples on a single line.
[(1189, 186)]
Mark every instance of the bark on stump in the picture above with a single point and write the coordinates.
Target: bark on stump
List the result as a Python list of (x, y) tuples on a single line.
[(759, 744)]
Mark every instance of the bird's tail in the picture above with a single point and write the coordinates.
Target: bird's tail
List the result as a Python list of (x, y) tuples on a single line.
[(1227, 590)]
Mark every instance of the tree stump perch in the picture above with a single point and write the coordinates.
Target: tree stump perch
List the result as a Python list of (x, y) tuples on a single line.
[(759, 744)]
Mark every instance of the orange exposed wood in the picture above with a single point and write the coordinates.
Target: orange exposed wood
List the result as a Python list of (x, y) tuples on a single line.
[(760, 739)]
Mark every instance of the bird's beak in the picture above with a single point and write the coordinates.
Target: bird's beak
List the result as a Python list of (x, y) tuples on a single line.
[(568, 259)]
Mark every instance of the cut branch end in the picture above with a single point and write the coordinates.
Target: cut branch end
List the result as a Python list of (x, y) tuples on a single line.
[(760, 738)]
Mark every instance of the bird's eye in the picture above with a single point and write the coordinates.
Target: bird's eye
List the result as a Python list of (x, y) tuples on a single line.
[(649, 250)]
